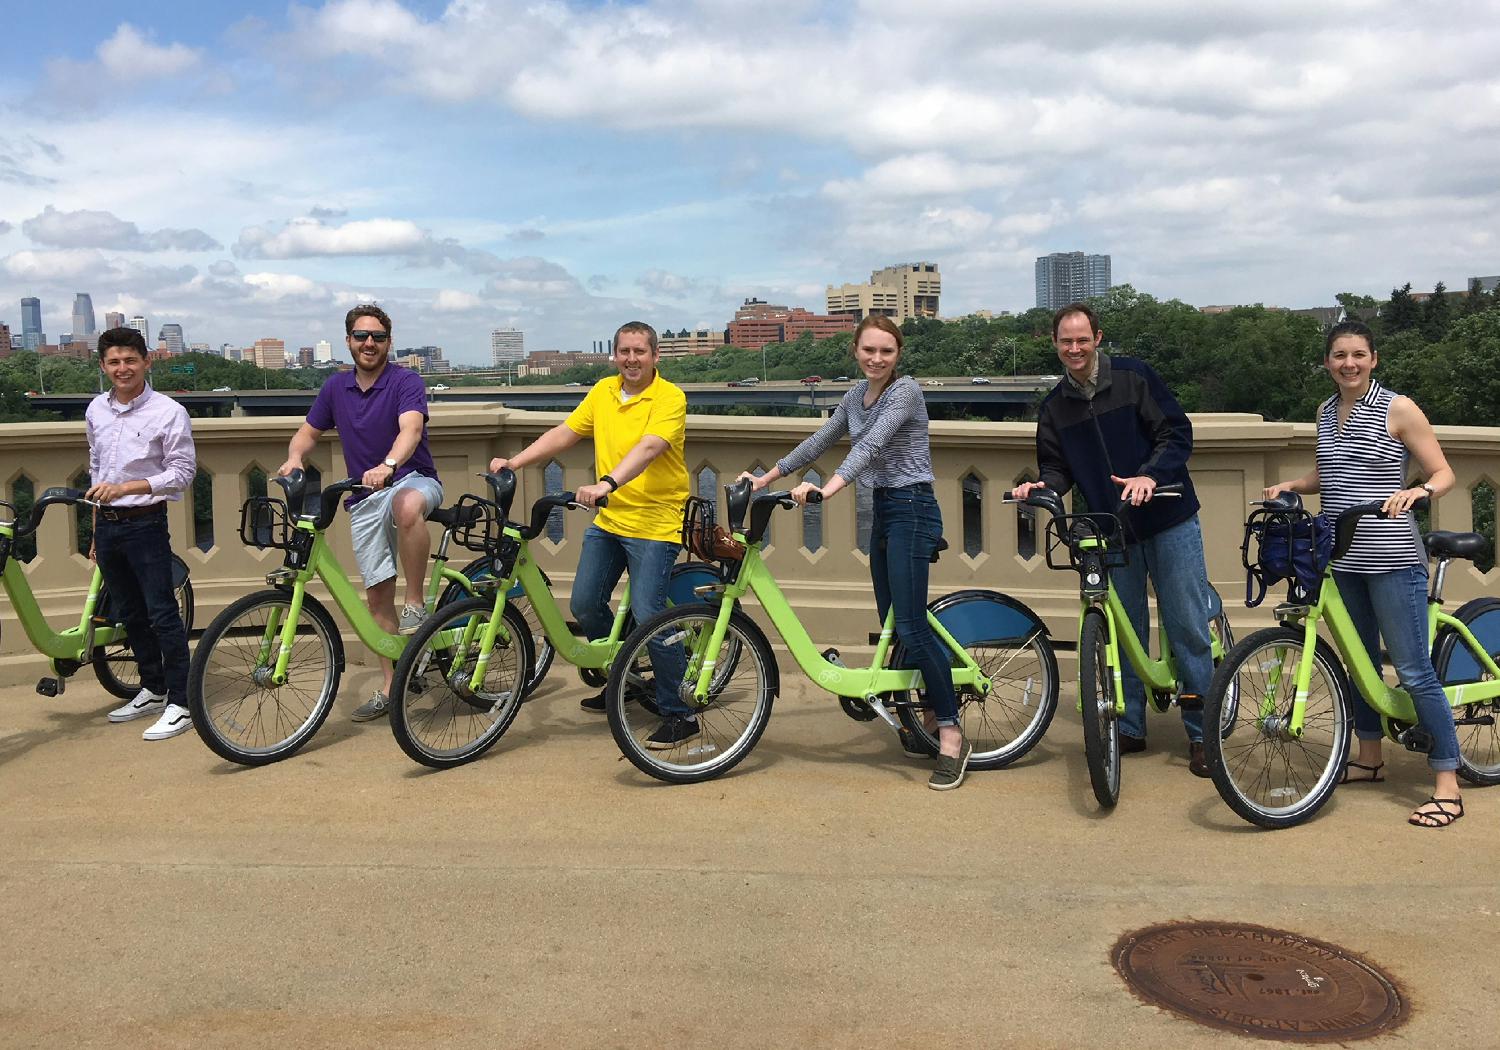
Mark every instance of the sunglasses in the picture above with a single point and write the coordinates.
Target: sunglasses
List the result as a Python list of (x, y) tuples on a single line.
[(381, 338)]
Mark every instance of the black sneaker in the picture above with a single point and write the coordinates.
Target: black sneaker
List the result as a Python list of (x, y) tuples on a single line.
[(593, 703), (1130, 745), (671, 732), (641, 694)]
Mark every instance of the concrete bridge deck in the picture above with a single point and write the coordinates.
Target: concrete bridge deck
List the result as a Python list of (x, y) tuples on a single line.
[(550, 896)]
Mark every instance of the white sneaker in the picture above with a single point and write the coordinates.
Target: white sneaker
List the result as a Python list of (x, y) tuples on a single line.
[(145, 703), (175, 719)]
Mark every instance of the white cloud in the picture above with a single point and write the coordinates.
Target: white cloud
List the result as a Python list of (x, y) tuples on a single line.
[(455, 302), (100, 229), (274, 287), (300, 238), (131, 55)]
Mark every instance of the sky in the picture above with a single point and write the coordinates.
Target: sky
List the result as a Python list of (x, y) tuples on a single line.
[(253, 170)]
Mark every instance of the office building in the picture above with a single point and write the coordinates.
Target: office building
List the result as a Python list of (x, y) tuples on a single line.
[(83, 317), (322, 352), (687, 343), (139, 324), (171, 334), (269, 353), (758, 323), (114, 319), (5, 348), (1070, 277), (507, 346), (898, 292), (32, 336)]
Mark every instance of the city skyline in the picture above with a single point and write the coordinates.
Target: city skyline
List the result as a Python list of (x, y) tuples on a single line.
[(504, 168)]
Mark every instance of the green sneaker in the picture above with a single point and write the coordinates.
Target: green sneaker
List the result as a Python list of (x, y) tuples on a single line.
[(950, 771)]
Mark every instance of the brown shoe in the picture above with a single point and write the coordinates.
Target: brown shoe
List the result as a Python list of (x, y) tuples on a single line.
[(1197, 759)]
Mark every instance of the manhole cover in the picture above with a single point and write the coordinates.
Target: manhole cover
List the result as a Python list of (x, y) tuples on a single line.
[(1259, 981)]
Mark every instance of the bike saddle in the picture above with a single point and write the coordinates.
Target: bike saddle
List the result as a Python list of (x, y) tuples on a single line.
[(1465, 545)]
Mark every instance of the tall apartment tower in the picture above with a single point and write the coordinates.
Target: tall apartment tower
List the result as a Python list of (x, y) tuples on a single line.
[(507, 345), (114, 319), (1070, 277), (32, 336), (171, 334), (139, 324), (83, 317), (322, 352), (898, 292)]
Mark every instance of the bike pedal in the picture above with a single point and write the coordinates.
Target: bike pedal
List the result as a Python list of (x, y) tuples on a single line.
[(51, 686), (1417, 740), (1190, 701)]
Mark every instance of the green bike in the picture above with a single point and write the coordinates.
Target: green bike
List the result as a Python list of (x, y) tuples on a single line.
[(1004, 670), (1289, 735), (97, 639), (267, 669), (1106, 638), (445, 707)]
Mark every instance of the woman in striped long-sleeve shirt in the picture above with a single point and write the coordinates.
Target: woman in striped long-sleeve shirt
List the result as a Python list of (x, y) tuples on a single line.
[(885, 418), (1366, 436)]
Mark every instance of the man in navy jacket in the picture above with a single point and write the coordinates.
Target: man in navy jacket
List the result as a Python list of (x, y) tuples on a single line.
[(1113, 428)]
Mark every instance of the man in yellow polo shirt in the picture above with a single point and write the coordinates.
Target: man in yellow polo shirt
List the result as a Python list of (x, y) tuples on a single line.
[(637, 420)]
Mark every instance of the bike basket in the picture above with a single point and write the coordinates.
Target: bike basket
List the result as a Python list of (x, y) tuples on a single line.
[(477, 524), (265, 523), (1290, 545), (1069, 533), (704, 537)]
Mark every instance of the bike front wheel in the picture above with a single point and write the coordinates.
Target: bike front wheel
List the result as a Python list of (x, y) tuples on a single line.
[(238, 711), (1007, 723), (1262, 771), (437, 716), (1478, 745), (726, 726), (1101, 722)]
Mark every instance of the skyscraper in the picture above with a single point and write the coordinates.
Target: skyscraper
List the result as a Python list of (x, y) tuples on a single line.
[(322, 352), (171, 334), (32, 336), (139, 324), (114, 319), (898, 292), (83, 317), (1070, 277), (507, 345)]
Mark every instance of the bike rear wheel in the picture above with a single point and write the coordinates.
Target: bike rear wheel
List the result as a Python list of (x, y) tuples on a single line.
[(1101, 723), (1223, 639), (436, 717), (1263, 773), (237, 710), (1478, 745), (743, 686), (114, 664), (1022, 671)]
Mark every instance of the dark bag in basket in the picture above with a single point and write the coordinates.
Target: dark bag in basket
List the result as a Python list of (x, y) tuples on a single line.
[(1293, 545)]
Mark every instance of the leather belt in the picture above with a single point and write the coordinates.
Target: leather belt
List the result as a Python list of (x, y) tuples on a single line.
[(126, 513)]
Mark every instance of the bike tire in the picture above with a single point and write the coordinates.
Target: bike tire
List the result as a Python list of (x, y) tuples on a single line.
[(1478, 745), (1220, 628), (237, 713), (1101, 723), (1266, 777), (114, 665), (435, 719), (739, 705), (542, 650), (1013, 718)]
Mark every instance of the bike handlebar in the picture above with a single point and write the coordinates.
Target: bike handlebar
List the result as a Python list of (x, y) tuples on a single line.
[(1347, 521), (542, 508)]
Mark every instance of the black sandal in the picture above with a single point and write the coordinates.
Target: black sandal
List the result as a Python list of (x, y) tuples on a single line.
[(1442, 818), (1375, 776)]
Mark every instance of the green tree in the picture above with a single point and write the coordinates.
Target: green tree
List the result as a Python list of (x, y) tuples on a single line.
[(1476, 301), (1436, 313), (1401, 313)]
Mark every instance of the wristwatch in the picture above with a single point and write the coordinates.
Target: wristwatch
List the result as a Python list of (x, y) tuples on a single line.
[(1427, 489), (390, 462), (611, 482)]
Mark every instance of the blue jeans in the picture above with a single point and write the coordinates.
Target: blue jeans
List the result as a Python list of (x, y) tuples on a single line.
[(605, 557), (135, 557), (1185, 602), (903, 534), (1393, 605)]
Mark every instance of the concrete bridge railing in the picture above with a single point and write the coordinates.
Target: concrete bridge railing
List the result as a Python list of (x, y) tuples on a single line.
[(816, 554)]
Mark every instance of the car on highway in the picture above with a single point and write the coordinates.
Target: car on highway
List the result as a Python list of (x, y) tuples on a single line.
[(733, 382), (441, 386), (980, 381), (841, 379), (223, 389), (932, 382), (810, 380), (572, 384)]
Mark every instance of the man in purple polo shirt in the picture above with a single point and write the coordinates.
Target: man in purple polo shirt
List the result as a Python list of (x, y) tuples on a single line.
[(380, 412)]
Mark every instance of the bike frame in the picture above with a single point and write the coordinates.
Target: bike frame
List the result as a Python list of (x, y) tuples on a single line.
[(1158, 675), (859, 683), (323, 565), (74, 643), (1392, 704)]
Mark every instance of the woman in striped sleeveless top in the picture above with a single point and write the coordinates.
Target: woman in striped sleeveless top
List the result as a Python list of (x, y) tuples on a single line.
[(885, 418), (1366, 434)]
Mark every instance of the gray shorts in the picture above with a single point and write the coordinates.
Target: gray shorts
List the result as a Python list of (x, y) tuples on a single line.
[(373, 526)]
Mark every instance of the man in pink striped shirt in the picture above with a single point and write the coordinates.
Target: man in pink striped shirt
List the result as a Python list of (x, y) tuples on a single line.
[(141, 458)]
